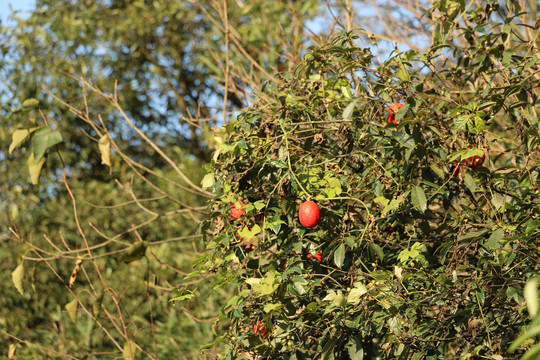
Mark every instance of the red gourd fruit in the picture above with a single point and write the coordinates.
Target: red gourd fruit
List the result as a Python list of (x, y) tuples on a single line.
[(309, 214), (238, 210)]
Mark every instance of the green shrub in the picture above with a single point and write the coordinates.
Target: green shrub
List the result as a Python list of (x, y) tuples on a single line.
[(425, 248)]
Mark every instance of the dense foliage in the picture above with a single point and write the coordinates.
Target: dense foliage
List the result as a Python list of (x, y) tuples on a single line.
[(430, 211)]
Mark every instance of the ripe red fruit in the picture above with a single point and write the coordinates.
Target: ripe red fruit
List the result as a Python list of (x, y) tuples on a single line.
[(237, 210), (389, 228), (393, 109), (259, 329), (309, 214), (478, 161), (249, 247)]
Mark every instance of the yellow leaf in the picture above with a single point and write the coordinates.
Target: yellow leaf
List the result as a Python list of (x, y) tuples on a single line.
[(71, 308), (17, 276), (105, 149), (129, 350), (35, 167)]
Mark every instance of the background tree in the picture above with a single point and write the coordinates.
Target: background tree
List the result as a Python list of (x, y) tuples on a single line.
[(179, 69)]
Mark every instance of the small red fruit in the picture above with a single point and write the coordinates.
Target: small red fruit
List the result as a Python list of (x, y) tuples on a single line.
[(317, 256), (478, 161), (249, 247), (389, 229), (309, 214), (259, 329), (393, 109), (238, 210)]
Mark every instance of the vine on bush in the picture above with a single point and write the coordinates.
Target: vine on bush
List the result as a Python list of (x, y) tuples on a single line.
[(427, 183)]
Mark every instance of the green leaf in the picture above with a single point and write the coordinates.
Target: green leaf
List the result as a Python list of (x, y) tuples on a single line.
[(19, 136), (44, 139), (419, 198), (437, 170), (498, 200), (479, 124), (470, 183), (339, 255), (71, 308), (336, 298), (30, 103), (266, 285), (493, 241), (134, 252), (17, 276), (272, 307), (249, 233), (348, 112), (208, 181), (34, 168), (356, 293), (355, 350)]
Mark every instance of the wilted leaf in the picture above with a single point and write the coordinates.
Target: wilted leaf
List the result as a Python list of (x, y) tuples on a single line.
[(75, 272), (11, 351), (17, 276), (105, 150)]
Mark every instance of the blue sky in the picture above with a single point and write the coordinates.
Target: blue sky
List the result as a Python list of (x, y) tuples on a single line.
[(16, 5)]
